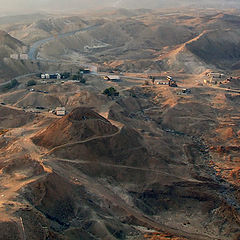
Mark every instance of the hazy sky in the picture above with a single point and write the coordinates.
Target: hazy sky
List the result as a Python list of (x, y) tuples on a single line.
[(51, 5)]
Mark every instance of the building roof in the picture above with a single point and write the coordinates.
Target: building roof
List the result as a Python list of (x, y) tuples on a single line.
[(113, 77), (60, 109)]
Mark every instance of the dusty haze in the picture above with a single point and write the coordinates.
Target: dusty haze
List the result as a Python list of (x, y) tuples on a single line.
[(24, 6)]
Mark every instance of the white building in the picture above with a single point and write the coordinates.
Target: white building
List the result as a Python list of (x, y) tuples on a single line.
[(51, 76), (23, 56), (43, 76), (60, 111), (58, 76), (14, 56)]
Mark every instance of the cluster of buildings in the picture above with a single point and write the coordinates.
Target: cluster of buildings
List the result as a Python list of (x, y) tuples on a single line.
[(21, 56), (51, 76), (215, 75), (214, 78), (169, 81)]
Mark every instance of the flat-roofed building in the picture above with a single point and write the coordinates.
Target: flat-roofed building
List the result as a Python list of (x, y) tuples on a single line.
[(14, 56), (23, 56), (113, 78), (60, 111)]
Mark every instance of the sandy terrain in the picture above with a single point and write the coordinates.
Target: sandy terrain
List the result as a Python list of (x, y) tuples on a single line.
[(155, 162), (172, 167)]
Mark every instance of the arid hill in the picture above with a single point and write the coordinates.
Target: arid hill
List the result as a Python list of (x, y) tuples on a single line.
[(12, 118), (34, 99), (155, 162), (44, 27), (152, 41), (82, 177), (9, 45), (10, 67), (79, 125), (219, 48)]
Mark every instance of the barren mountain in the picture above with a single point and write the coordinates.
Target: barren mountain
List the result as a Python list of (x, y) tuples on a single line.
[(8, 45), (10, 67), (152, 41), (45, 27), (54, 5), (85, 178)]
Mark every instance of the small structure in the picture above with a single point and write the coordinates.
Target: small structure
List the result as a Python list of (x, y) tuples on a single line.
[(59, 76), (171, 82), (43, 76), (85, 71), (55, 76), (186, 91), (162, 83), (113, 78), (73, 81), (50, 76), (23, 56), (60, 111), (205, 81), (215, 75), (14, 56)]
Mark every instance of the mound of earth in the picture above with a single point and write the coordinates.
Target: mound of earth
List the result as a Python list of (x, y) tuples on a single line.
[(79, 125), (124, 147), (8, 117), (35, 99)]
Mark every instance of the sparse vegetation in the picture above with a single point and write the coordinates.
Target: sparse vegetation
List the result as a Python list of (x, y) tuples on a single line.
[(10, 85), (31, 83), (111, 92), (155, 152), (79, 76), (65, 75), (75, 77), (83, 80)]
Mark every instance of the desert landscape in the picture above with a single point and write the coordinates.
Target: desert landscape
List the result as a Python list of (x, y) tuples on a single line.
[(120, 124)]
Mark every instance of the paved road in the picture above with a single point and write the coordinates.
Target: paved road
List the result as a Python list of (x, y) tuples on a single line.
[(32, 54), (18, 78)]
